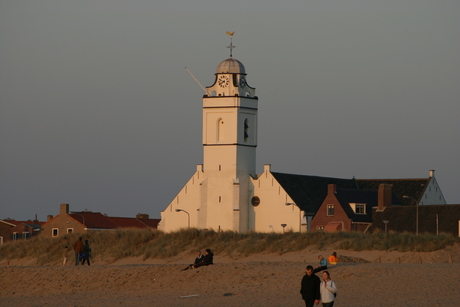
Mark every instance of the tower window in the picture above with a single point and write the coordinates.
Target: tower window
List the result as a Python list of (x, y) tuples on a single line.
[(220, 129), (246, 130)]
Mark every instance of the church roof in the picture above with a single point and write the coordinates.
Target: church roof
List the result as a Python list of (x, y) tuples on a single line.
[(230, 66), (308, 192)]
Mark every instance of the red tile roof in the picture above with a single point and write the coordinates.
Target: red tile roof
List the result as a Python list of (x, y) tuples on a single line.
[(97, 220), (93, 220)]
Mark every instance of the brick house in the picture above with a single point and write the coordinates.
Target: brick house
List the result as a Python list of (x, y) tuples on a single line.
[(11, 230), (77, 222), (351, 209), (433, 219)]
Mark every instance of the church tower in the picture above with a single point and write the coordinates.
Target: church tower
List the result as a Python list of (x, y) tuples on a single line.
[(229, 146), (218, 194)]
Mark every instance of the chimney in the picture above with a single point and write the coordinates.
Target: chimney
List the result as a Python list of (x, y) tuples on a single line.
[(431, 173), (331, 189), (48, 218), (142, 216), (384, 196), (64, 209)]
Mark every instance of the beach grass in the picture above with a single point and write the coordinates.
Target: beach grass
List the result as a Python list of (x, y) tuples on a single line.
[(150, 243)]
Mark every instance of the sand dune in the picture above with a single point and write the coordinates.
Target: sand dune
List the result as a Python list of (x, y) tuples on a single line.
[(389, 279)]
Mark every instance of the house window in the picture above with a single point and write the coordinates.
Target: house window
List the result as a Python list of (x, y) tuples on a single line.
[(25, 235), (15, 236), (360, 209), (55, 232), (319, 227), (330, 210), (69, 230)]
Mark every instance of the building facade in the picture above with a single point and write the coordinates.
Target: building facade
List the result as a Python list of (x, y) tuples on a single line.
[(226, 194)]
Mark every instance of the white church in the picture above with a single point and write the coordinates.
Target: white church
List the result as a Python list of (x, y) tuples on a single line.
[(225, 193)]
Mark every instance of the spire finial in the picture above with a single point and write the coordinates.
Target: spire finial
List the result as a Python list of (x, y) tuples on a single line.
[(231, 44)]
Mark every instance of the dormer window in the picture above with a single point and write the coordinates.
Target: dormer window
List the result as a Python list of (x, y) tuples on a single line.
[(358, 208)]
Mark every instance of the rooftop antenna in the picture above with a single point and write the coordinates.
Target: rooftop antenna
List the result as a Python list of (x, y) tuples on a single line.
[(231, 44), (196, 80)]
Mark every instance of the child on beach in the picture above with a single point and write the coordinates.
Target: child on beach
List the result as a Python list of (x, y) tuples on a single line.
[(65, 254)]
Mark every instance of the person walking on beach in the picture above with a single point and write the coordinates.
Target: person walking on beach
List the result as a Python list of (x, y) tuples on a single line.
[(198, 259), (86, 252), (78, 248), (310, 288), (322, 264), (328, 290), (65, 255)]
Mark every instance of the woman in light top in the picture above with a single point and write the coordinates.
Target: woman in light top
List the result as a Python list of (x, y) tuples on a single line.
[(328, 290)]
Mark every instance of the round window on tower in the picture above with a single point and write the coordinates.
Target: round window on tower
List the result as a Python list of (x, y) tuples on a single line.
[(255, 201)]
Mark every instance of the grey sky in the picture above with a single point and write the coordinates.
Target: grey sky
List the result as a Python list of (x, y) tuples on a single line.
[(98, 111)]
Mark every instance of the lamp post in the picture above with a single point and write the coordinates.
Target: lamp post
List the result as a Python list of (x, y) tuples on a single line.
[(83, 218), (416, 213), (300, 218), (283, 225), (188, 215), (386, 225)]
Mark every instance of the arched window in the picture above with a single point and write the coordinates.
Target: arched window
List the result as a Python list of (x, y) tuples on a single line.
[(220, 130), (246, 131)]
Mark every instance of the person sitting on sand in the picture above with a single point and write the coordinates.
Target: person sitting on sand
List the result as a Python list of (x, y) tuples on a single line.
[(322, 264), (198, 259), (207, 259), (333, 259)]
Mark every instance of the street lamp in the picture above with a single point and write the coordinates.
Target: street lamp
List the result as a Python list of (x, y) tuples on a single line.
[(283, 225), (386, 225), (300, 218), (83, 218), (416, 213), (179, 210)]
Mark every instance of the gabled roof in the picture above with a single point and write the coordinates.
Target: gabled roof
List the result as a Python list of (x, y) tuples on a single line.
[(33, 224), (308, 192), (413, 188), (127, 222), (97, 220), (368, 197), (94, 220), (403, 218), (8, 222), (151, 222)]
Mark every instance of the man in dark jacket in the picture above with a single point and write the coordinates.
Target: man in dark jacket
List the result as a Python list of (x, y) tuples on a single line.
[(310, 288), (207, 259), (78, 248)]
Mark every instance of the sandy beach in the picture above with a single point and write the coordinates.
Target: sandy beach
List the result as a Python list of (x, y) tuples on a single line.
[(371, 278)]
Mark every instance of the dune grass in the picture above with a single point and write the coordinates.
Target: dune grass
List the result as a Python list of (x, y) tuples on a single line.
[(149, 243)]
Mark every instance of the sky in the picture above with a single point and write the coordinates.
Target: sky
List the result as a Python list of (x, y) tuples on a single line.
[(97, 110)]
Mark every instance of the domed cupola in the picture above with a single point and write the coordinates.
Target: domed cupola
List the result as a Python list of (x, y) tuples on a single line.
[(230, 78), (230, 66)]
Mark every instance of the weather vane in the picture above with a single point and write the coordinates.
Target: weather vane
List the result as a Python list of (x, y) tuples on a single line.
[(231, 44)]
